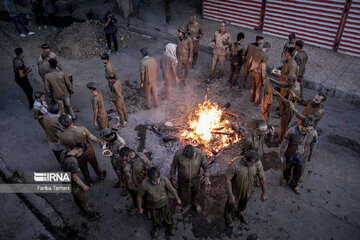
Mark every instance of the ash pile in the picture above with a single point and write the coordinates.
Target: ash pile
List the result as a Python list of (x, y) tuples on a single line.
[(84, 40)]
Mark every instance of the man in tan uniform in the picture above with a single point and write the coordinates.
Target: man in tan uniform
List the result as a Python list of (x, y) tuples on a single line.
[(58, 87), (46, 49), (240, 177), (314, 108), (109, 68), (290, 91), (155, 189), (74, 134), (148, 70), (194, 31), (135, 169), (168, 68), (100, 115), (301, 60), (249, 53), (221, 42), (258, 72), (184, 53), (188, 162), (53, 128), (236, 58), (44, 66), (118, 99)]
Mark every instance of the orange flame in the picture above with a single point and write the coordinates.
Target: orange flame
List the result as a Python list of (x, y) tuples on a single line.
[(208, 127)]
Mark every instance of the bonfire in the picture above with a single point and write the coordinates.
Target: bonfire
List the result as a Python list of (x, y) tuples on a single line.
[(210, 129)]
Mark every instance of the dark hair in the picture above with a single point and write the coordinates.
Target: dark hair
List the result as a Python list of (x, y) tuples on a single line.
[(45, 45), (290, 50), (251, 156), (18, 51), (258, 37), (104, 56), (81, 145), (307, 122), (300, 43), (267, 45), (144, 51), (125, 152), (91, 85), (260, 123), (44, 55), (322, 95), (54, 108), (153, 173), (52, 63), (223, 22), (189, 151), (252, 236), (65, 120), (240, 36), (38, 95), (292, 36)]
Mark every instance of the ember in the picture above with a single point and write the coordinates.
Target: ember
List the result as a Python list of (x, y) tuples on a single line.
[(209, 127)]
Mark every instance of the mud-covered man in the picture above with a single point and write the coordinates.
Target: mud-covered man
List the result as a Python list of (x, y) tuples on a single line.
[(148, 77), (240, 176), (136, 166), (187, 163), (259, 40), (69, 163), (115, 143), (155, 189), (314, 108), (258, 72), (257, 139), (236, 58), (297, 148)]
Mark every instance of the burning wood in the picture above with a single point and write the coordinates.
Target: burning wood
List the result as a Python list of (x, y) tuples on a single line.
[(211, 127)]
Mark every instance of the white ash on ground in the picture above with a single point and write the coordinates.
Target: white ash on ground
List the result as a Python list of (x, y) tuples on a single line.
[(84, 40)]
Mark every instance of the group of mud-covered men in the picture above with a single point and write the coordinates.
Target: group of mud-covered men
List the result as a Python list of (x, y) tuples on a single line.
[(135, 172)]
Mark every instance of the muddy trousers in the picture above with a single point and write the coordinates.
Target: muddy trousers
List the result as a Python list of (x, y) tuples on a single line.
[(167, 85), (245, 74), (151, 89), (81, 200), (230, 209), (183, 64), (293, 171), (65, 105), (28, 90), (160, 214), (285, 121), (121, 110), (214, 60), (89, 157), (193, 185), (235, 68), (195, 53), (255, 87)]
